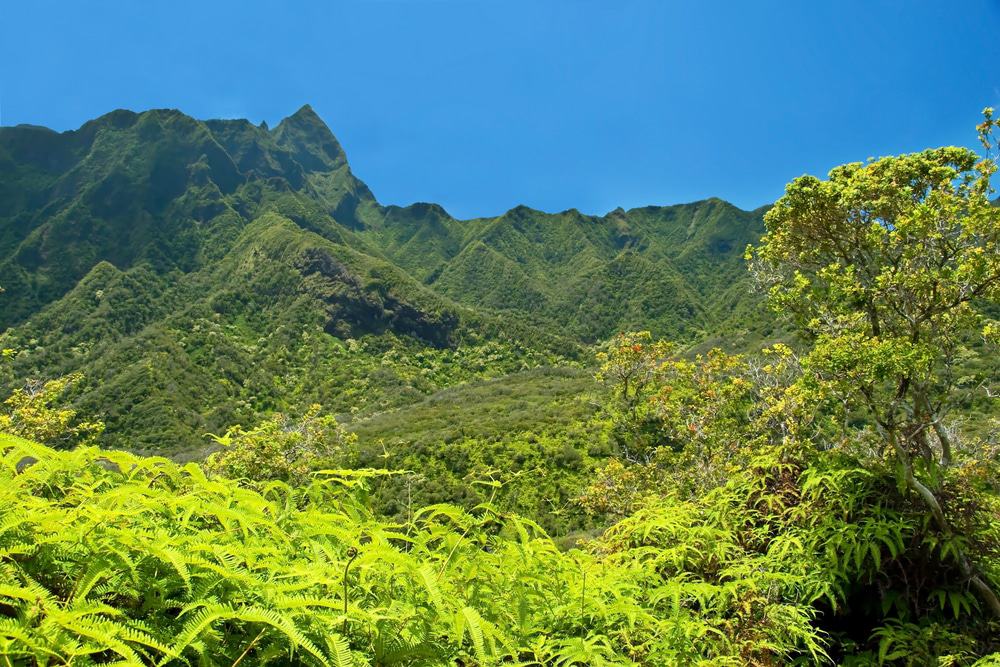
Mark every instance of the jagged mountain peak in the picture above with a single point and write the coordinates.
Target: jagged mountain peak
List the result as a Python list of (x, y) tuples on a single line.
[(305, 114), (311, 140)]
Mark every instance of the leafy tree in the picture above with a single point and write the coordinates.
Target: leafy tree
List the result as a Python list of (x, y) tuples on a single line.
[(697, 420), (628, 367), (618, 489), (279, 448), (33, 412), (885, 267)]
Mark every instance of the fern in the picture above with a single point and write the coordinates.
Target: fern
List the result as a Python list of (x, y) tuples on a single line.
[(468, 621), (161, 565)]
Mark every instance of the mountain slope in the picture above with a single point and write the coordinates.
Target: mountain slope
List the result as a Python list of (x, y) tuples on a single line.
[(157, 187), (655, 267), (201, 273)]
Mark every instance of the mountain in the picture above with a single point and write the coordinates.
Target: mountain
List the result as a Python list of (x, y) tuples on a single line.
[(158, 188), (662, 268), (202, 273)]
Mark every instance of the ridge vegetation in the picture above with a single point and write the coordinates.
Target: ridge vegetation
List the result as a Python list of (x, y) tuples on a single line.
[(152, 252)]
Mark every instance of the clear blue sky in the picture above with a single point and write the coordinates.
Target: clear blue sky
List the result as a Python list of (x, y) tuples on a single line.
[(481, 105)]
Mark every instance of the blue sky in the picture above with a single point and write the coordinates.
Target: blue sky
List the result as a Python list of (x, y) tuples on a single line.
[(481, 105)]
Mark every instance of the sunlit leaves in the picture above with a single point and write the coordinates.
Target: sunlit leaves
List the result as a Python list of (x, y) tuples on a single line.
[(38, 411), (280, 448)]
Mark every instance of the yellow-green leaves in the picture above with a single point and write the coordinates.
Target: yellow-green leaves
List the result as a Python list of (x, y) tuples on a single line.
[(33, 412), (280, 449), (886, 267)]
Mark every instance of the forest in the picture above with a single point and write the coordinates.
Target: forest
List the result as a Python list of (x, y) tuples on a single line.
[(253, 416)]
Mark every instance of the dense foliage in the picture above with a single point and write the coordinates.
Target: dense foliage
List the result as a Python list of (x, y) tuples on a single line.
[(885, 266), (415, 461), (112, 557), (897, 583)]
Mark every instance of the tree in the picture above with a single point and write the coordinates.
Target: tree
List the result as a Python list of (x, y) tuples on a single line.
[(279, 448), (628, 367), (31, 412), (885, 267), (698, 420)]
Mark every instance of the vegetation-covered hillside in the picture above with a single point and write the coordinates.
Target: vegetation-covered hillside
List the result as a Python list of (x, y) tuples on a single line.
[(425, 441), (200, 274)]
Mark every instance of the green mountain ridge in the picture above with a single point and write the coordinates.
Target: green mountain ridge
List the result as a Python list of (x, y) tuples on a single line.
[(202, 273)]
